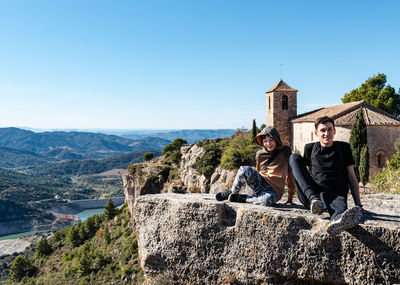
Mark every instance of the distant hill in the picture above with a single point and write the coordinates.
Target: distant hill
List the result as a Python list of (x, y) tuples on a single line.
[(95, 144), (13, 158), (192, 136), (25, 149), (91, 166)]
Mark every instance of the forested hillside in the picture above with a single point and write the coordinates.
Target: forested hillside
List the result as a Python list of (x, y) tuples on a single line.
[(101, 250)]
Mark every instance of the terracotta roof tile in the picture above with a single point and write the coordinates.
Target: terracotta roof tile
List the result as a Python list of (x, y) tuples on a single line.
[(281, 86), (345, 115)]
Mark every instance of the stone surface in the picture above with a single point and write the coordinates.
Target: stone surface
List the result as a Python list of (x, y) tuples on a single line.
[(192, 179), (194, 239)]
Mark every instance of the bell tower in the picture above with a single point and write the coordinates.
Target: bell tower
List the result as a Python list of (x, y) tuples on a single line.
[(281, 108)]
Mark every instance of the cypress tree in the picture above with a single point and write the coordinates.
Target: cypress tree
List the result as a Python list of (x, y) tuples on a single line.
[(254, 130), (358, 138), (364, 165)]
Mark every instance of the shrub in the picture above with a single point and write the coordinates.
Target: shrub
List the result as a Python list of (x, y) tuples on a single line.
[(175, 145), (387, 180), (207, 163), (20, 268), (148, 156), (172, 151), (240, 151), (43, 248)]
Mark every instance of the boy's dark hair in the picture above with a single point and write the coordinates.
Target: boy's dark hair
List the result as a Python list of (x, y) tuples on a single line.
[(324, 120)]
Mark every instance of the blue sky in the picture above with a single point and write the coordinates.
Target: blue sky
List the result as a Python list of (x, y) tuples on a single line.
[(184, 64)]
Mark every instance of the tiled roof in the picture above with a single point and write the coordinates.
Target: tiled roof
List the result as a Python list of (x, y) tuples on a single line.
[(281, 86), (345, 115)]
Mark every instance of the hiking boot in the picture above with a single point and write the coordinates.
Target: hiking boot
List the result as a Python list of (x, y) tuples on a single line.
[(348, 219), (238, 198), (317, 207), (221, 196)]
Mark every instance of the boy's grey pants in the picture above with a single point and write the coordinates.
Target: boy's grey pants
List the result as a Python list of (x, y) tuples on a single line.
[(261, 192)]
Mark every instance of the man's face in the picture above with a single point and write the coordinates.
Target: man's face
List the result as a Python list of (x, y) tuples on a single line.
[(325, 133)]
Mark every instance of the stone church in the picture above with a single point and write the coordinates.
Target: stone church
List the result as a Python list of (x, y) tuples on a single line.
[(296, 130)]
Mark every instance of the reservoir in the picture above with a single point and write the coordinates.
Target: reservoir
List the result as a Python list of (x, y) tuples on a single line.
[(82, 216)]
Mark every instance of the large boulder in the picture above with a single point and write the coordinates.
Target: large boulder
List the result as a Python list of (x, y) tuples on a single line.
[(192, 179), (193, 239)]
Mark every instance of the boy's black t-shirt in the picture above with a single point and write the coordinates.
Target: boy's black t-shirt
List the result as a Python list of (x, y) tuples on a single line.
[(328, 166)]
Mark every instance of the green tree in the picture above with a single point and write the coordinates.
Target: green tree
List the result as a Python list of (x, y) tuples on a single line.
[(106, 235), (20, 268), (364, 165), (254, 130), (73, 236), (358, 138), (148, 156), (207, 163), (43, 248), (375, 92), (110, 210)]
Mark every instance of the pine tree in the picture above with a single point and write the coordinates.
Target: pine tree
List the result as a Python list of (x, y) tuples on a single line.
[(110, 210), (358, 138), (364, 165), (254, 130), (20, 268)]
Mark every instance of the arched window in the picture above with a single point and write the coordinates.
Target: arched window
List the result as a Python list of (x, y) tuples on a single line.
[(285, 103), (269, 102), (381, 159)]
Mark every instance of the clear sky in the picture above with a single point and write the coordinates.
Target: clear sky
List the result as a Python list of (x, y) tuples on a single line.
[(185, 64)]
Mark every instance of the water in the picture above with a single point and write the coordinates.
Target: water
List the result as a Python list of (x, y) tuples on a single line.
[(88, 213), (82, 216)]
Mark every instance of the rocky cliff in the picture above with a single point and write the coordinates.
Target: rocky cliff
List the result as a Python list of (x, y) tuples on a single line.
[(194, 239)]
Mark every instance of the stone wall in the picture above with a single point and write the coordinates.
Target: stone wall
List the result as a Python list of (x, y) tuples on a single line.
[(279, 118), (193, 239)]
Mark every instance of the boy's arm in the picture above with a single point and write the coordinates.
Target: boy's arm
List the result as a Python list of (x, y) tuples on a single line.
[(355, 190)]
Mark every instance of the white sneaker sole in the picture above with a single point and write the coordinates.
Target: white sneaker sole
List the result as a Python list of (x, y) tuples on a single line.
[(350, 218)]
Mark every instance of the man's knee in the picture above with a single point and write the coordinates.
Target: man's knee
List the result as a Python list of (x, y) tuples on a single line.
[(295, 159)]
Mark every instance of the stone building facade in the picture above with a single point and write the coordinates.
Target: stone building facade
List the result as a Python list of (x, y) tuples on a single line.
[(383, 129), (281, 108)]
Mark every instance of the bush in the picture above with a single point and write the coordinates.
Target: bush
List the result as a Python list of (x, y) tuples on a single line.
[(20, 268), (148, 156), (387, 180), (43, 248), (172, 151), (175, 145), (207, 163), (240, 151)]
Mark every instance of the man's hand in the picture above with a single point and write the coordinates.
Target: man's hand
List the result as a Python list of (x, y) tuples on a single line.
[(366, 212)]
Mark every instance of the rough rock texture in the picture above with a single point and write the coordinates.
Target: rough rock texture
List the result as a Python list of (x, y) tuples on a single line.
[(145, 178), (193, 239), (193, 180)]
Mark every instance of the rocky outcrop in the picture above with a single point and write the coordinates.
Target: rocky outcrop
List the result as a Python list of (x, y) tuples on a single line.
[(144, 178), (192, 179), (193, 239)]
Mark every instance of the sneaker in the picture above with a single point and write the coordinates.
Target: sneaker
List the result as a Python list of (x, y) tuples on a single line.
[(349, 218), (237, 198), (317, 207), (221, 196)]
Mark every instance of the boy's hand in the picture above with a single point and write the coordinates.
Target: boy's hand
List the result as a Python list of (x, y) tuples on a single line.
[(289, 202)]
